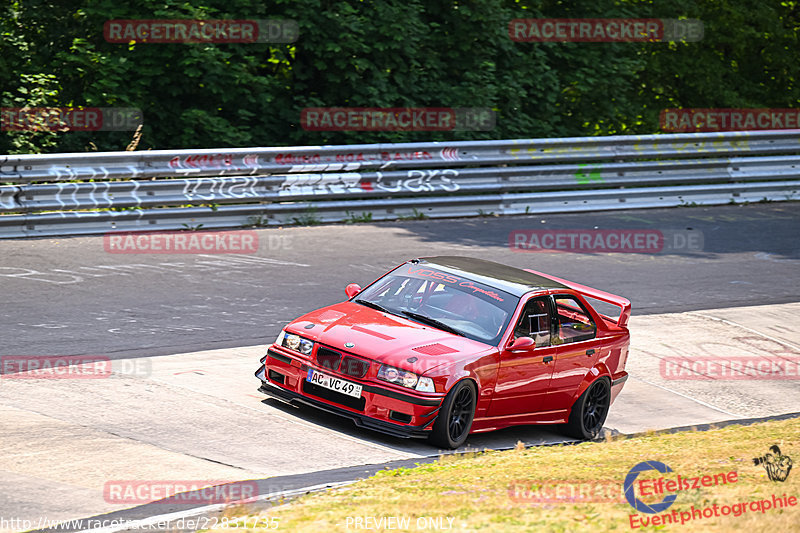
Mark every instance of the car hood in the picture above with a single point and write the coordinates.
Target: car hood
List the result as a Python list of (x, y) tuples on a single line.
[(384, 337)]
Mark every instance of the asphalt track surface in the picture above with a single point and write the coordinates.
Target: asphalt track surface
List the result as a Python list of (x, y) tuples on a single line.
[(68, 296)]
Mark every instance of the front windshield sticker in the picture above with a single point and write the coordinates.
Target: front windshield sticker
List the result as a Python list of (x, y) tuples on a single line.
[(450, 278)]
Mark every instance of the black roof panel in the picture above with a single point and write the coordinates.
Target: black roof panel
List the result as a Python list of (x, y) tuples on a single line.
[(510, 279)]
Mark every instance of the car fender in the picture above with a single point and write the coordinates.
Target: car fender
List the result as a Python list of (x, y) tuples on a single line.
[(482, 372), (447, 375), (596, 372)]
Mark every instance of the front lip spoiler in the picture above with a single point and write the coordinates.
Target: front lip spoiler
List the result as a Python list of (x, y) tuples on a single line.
[(362, 421)]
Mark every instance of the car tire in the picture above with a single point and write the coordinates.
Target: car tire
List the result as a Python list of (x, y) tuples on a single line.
[(452, 426), (589, 411)]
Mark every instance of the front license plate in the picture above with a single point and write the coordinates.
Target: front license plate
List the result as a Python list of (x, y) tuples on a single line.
[(334, 384)]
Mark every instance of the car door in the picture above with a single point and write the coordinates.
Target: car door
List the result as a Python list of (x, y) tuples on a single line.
[(577, 349), (524, 375)]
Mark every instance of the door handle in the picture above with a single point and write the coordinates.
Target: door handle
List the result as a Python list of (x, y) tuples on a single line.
[(547, 358), (590, 351)]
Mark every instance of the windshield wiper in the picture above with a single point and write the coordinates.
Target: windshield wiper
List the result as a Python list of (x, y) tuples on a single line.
[(373, 305), (432, 321)]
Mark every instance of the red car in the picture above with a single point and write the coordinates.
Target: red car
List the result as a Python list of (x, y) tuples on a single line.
[(441, 347)]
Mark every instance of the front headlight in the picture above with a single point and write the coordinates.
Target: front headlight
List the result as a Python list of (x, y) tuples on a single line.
[(295, 342), (405, 378)]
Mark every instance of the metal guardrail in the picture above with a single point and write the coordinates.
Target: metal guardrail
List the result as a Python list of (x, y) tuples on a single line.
[(87, 193)]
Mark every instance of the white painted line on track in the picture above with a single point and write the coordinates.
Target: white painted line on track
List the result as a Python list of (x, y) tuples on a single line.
[(751, 330), (687, 397)]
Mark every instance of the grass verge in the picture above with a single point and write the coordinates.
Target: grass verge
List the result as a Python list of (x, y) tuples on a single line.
[(563, 488)]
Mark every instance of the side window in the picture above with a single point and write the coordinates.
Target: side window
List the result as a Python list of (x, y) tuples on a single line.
[(574, 323), (535, 322)]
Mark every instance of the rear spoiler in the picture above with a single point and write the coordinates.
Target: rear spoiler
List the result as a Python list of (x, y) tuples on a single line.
[(623, 303)]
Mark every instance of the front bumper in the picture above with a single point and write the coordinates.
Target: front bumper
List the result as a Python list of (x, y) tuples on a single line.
[(377, 400)]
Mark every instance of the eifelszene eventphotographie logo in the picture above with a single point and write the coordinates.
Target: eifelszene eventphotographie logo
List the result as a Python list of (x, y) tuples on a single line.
[(775, 463)]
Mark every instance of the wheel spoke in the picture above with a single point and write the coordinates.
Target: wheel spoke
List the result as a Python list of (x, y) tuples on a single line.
[(595, 408), (460, 413)]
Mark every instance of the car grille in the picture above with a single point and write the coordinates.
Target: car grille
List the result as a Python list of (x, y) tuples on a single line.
[(349, 366), (354, 367), (327, 358)]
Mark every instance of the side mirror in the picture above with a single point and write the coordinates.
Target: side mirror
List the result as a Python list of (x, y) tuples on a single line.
[(352, 289), (522, 343)]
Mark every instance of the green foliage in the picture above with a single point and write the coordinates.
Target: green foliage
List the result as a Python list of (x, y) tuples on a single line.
[(192, 227), (417, 215), (385, 53), (353, 218), (257, 221), (307, 218)]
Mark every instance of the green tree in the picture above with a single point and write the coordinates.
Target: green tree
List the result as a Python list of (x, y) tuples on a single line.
[(385, 53)]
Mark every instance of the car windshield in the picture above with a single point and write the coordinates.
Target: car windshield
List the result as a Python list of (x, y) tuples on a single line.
[(441, 299)]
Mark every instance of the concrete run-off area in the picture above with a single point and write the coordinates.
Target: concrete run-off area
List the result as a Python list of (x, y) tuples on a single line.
[(197, 417)]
